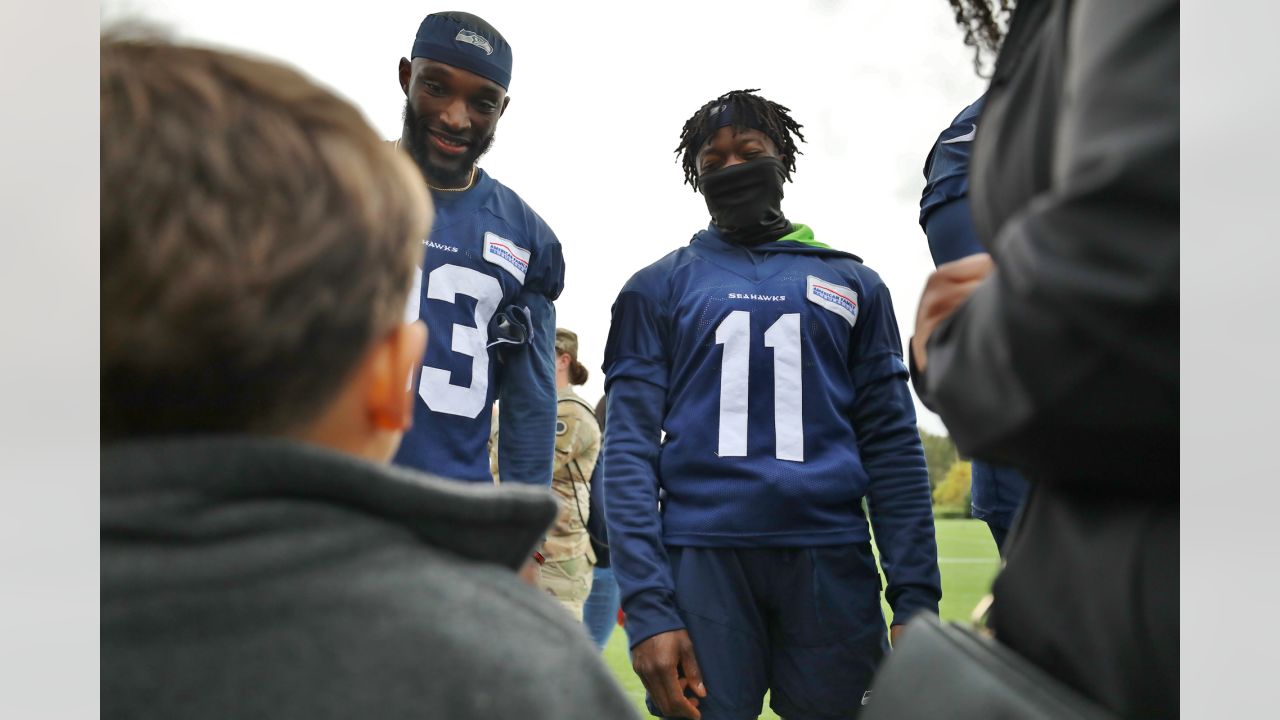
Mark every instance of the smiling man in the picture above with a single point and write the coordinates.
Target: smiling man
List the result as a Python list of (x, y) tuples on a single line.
[(773, 365), (491, 269)]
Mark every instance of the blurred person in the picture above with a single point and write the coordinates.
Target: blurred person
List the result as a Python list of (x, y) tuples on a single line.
[(567, 556), (1057, 353), (531, 572), (772, 363), (491, 270), (259, 557), (600, 612), (492, 445), (996, 492)]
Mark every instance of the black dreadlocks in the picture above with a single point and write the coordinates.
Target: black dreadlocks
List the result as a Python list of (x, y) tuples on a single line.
[(778, 127)]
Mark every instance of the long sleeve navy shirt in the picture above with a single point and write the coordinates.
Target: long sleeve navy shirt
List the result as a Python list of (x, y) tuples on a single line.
[(755, 398)]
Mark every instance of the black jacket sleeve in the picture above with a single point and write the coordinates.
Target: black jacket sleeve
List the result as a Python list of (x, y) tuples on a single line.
[(1064, 362)]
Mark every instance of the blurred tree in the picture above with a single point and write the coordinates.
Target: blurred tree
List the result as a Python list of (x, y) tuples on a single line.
[(953, 491), (939, 454)]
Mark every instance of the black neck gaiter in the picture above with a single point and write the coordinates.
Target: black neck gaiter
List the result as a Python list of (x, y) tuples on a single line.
[(745, 201)]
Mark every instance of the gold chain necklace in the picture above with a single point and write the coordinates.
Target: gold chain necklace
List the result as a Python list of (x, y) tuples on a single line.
[(470, 181)]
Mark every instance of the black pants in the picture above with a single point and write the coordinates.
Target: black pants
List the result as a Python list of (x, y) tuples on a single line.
[(1090, 594)]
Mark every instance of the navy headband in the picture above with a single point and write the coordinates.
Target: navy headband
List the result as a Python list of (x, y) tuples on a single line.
[(474, 47), (725, 114)]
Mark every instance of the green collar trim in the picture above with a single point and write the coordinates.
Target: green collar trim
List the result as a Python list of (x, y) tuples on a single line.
[(802, 234)]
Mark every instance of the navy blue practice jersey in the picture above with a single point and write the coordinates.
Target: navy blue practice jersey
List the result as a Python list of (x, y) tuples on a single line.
[(490, 272), (762, 355), (776, 374), (944, 207)]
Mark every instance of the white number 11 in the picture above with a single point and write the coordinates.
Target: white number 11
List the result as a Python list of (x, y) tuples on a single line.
[(734, 332)]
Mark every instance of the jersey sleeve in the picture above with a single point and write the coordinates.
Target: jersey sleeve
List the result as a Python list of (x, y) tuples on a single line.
[(546, 267), (947, 173), (527, 394), (944, 203), (898, 496), (635, 383), (946, 168), (950, 232), (636, 346)]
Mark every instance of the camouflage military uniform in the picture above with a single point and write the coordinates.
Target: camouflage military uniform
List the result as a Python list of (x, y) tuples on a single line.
[(567, 572), (570, 559), (493, 446)]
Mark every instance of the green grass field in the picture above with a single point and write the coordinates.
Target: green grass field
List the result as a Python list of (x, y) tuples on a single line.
[(966, 556)]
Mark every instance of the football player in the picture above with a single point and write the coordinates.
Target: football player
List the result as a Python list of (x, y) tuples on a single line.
[(997, 491), (773, 364), (491, 270)]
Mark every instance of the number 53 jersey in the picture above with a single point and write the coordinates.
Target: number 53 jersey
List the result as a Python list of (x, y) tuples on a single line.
[(490, 272), (786, 398)]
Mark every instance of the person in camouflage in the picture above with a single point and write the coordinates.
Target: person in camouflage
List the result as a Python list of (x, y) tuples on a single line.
[(568, 559)]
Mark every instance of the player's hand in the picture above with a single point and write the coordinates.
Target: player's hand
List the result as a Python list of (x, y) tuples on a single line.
[(947, 288), (668, 669), (894, 632)]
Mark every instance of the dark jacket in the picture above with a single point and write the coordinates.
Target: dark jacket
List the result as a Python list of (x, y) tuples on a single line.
[(263, 578), (1064, 363)]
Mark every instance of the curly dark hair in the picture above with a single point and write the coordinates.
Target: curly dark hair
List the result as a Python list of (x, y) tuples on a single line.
[(985, 23), (577, 372), (777, 124)]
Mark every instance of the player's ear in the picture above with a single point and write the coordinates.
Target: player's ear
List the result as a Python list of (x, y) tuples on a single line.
[(406, 72), (505, 102), (389, 398)]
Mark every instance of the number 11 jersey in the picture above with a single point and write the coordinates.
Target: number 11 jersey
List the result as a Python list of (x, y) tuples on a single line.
[(785, 393)]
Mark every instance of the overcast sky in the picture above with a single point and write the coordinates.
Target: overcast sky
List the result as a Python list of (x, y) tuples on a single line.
[(599, 95)]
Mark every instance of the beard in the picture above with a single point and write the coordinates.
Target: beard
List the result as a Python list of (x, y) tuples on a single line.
[(458, 170)]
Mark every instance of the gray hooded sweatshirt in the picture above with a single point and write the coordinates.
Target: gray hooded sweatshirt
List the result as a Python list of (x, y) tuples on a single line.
[(252, 577)]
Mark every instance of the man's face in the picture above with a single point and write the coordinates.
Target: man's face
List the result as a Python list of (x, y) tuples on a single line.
[(727, 148), (450, 118)]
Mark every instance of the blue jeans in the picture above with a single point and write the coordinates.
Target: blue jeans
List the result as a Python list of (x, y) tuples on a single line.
[(601, 611)]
